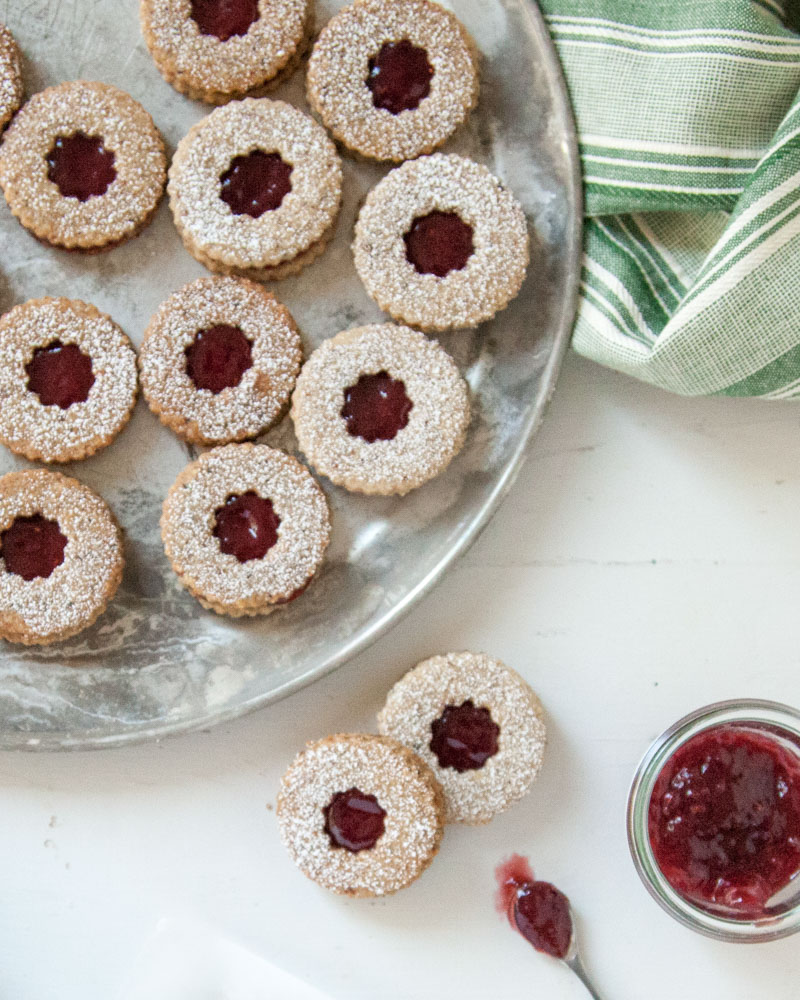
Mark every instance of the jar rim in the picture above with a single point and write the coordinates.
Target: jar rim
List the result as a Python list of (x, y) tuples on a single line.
[(739, 710)]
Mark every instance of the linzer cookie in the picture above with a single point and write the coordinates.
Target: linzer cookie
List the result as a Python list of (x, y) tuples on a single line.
[(393, 79), (441, 243), (245, 528), (214, 50), (10, 77), (360, 815), (255, 189), (82, 166), (478, 726), (380, 409), (67, 380), (219, 360), (60, 556)]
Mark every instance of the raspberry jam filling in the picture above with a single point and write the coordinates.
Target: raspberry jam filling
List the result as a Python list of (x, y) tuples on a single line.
[(439, 243), (32, 546), (246, 526), (464, 737), (224, 18), (399, 76), (218, 357), (256, 183), (80, 166), (538, 910), (376, 407), (724, 819), (60, 374), (354, 820)]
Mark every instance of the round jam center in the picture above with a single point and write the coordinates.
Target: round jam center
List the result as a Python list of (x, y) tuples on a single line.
[(439, 243), (724, 819), (376, 407), (354, 820), (218, 357), (256, 183), (32, 546), (60, 374), (464, 737), (399, 76), (246, 526), (224, 18), (80, 166)]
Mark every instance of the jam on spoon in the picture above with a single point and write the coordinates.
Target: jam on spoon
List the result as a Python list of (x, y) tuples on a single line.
[(724, 820), (354, 820), (376, 407)]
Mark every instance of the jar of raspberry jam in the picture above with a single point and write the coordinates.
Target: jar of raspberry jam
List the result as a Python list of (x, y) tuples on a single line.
[(714, 820)]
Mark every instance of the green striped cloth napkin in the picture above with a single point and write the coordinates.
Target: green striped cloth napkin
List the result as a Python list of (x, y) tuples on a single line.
[(688, 115)]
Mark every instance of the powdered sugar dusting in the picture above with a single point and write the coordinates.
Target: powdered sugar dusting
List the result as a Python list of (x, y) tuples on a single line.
[(306, 212), (10, 76), (48, 608), (492, 276), (243, 62), (261, 396), (376, 766), (422, 695), (126, 129), (437, 422), (339, 67), (50, 433), (188, 522)]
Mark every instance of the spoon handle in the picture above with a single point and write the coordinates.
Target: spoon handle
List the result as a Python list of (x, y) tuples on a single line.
[(577, 967)]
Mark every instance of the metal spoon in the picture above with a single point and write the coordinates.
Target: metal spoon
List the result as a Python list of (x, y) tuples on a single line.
[(572, 960)]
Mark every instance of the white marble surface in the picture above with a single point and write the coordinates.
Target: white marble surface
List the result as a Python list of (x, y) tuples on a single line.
[(646, 562)]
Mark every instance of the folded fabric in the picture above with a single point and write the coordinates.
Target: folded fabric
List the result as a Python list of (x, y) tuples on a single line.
[(688, 117)]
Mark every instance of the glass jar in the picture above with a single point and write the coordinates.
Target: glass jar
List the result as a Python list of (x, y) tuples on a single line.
[(767, 718)]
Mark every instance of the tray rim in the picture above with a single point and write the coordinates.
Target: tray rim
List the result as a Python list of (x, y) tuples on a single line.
[(364, 638)]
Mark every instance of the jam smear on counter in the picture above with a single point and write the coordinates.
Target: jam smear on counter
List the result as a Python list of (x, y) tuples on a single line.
[(32, 546), (218, 357), (464, 737), (246, 526), (80, 166), (538, 910), (724, 819), (399, 76), (224, 18), (376, 407), (256, 183), (438, 243), (60, 374), (354, 820)]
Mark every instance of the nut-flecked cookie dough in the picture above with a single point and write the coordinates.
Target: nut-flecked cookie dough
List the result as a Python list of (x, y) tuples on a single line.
[(245, 528), (255, 189), (393, 79), (67, 380), (477, 725), (380, 409), (360, 815), (82, 166), (219, 360), (61, 556), (440, 243), (215, 50)]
